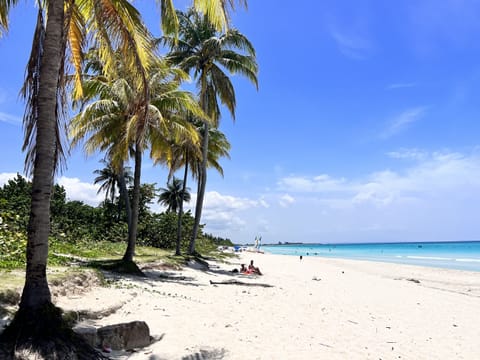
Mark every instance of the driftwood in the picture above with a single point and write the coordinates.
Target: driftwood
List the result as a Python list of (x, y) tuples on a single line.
[(236, 282)]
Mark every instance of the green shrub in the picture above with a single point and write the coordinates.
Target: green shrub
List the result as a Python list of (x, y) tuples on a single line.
[(13, 241)]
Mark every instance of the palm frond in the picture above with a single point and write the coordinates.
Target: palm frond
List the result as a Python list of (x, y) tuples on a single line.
[(29, 92), (5, 6), (168, 17)]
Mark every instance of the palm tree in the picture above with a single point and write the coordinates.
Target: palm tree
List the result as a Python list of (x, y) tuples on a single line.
[(43, 90), (108, 179), (113, 122), (66, 20), (201, 50), (173, 195), (112, 179), (187, 154)]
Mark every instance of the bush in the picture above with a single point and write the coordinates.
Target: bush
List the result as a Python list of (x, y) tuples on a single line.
[(13, 241)]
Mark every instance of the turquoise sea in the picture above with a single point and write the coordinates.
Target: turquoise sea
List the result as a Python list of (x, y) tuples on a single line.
[(461, 255)]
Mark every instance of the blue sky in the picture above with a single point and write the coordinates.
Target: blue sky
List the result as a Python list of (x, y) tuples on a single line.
[(365, 126)]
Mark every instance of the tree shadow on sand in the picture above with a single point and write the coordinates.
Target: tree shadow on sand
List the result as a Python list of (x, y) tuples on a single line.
[(214, 354)]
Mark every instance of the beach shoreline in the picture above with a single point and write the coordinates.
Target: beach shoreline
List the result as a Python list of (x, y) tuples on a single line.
[(316, 308)]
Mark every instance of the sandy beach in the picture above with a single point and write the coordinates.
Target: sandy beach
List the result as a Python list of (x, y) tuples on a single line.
[(316, 308)]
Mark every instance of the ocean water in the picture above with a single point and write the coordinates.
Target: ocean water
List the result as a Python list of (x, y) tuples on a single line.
[(461, 255)]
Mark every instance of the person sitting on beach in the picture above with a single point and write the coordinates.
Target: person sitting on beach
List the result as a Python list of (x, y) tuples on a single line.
[(243, 269), (253, 269)]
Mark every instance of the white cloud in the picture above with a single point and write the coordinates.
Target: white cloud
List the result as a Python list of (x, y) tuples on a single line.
[(436, 197), (286, 200), (81, 191), (227, 214), (74, 187), (4, 177), (320, 183), (408, 154), (10, 119), (402, 121), (431, 175), (215, 200)]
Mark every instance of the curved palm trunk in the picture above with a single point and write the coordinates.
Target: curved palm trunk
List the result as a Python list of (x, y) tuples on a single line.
[(202, 182), (132, 231), (122, 184), (36, 293), (180, 210)]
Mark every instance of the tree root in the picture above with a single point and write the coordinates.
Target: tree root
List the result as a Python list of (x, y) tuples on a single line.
[(43, 334)]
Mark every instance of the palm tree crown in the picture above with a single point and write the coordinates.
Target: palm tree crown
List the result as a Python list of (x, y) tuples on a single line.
[(202, 50), (173, 195)]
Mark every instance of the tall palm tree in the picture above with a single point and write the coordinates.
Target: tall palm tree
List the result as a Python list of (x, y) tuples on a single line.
[(181, 152), (108, 180), (44, 93), (113, 178), (66, 20), (206, 53), (173, 195), (113, 122), (188, 155)]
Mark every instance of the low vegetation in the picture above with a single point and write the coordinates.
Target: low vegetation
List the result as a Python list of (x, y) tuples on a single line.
[(93, 236)]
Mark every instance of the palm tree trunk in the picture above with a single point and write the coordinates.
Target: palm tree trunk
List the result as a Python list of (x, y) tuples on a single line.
[(122, 184), (202, 182), (36, 293), (180, 210), (132, 231)]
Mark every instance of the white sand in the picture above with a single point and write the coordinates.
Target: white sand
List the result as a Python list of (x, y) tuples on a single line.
[(317, 309)]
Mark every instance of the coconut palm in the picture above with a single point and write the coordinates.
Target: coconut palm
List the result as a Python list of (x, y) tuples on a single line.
[(188, 155), (108, 178), (206, 53), (36, 311), (114, 123), (173, 195), (66, 20), (113, 179), (44, 92)]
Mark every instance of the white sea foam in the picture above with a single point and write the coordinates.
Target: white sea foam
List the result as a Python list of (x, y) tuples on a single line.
[(429, 258), (468, 260)]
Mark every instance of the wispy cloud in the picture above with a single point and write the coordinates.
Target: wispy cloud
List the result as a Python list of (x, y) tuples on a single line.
[(408, 154), (321, 183), (286, 200), (395, 86), (402, 121), (433, 173), (10, 119), (351, 45)]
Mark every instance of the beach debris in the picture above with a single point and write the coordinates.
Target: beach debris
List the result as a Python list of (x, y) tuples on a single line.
[(353, 322), (316, 278), (416, 281), (236, 282)]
